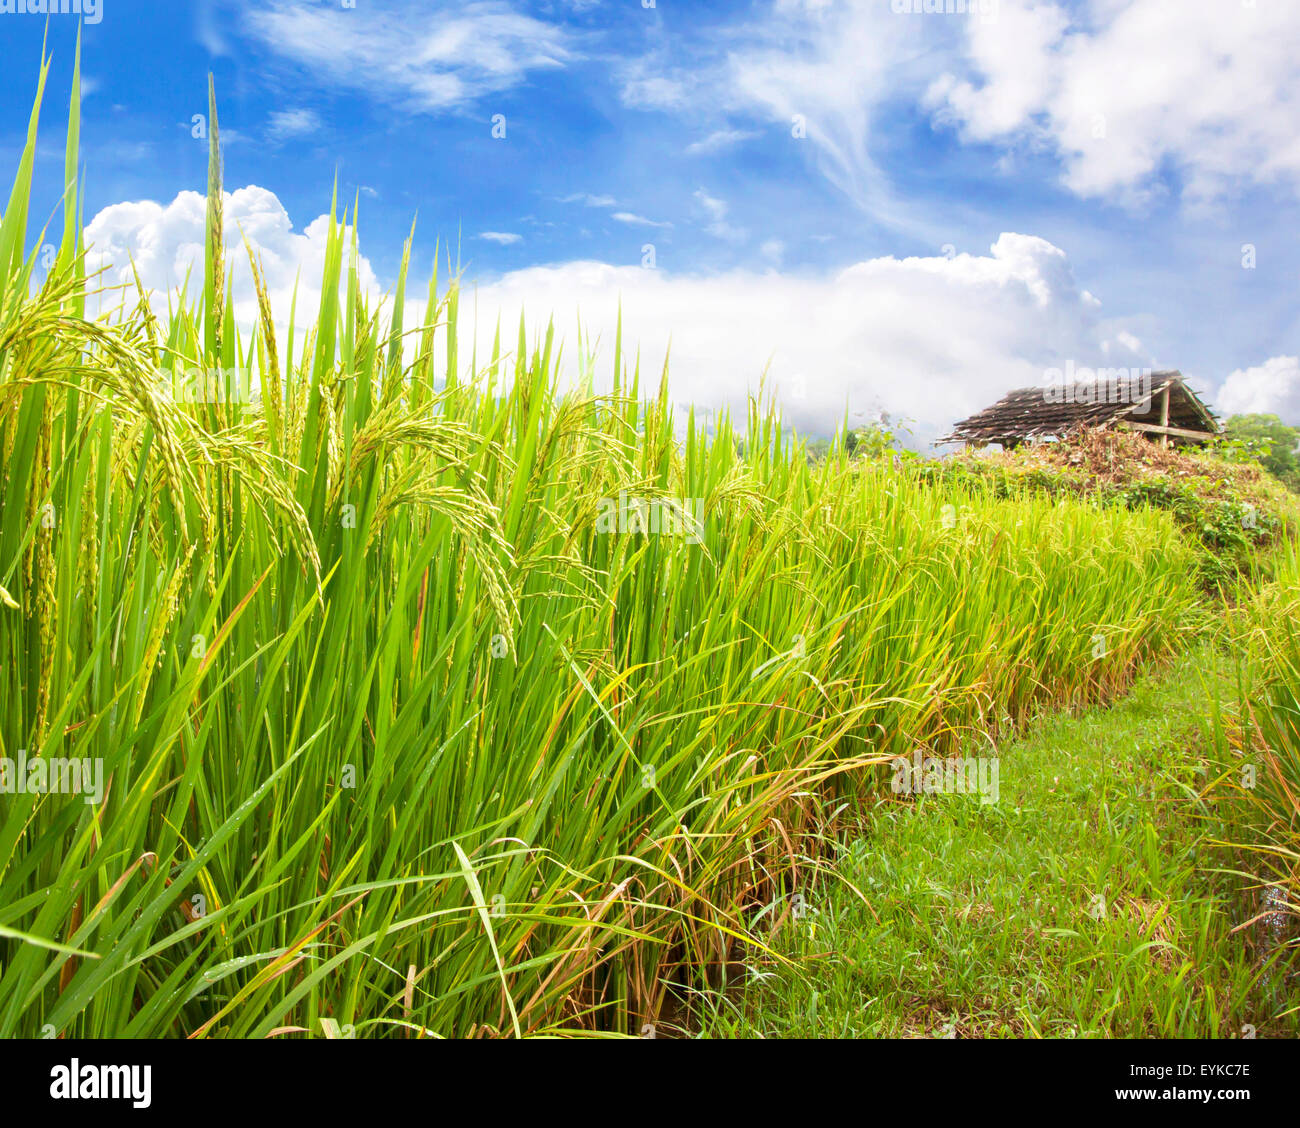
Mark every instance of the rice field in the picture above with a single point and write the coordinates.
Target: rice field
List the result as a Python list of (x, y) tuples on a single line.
[(419, 694)]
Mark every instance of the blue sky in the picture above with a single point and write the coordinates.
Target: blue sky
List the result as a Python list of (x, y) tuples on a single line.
[(822, 182)]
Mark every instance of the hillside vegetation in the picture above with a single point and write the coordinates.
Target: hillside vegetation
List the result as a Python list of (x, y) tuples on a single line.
[(1232, 509)]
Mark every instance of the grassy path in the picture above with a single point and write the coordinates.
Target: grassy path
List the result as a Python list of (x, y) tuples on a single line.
[(1075, 906)]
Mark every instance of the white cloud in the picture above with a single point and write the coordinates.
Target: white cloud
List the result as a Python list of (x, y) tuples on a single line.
[(207, 28), (720, 139), (589, 200), (505, 238), (166, 243), (283, 125), (634, 220), (652, 84), (932, 339), (832, 66), (1272, 388), (717, 212), (1121, 87), (429, 61), (1118, 89)]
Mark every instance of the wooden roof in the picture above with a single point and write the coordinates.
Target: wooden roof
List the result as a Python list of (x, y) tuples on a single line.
[(1030, 413)]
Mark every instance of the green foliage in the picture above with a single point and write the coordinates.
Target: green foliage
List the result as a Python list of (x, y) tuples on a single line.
[(1230, 532), (1266, 440), (818, 449), (876, 438), (1232, 522)]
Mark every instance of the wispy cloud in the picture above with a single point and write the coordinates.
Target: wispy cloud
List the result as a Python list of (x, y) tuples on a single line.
[(504, 238), (649, 84), (823, 73), (427, 61), (817, 71), (634, 220), (589, 200), (283, 125), (207, 28), (717, 212), (721, 139)]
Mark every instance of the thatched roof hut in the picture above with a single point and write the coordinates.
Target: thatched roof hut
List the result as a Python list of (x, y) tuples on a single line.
[(1159, 404)]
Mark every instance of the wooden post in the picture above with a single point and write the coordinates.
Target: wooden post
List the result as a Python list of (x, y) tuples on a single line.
[(1164, 416)]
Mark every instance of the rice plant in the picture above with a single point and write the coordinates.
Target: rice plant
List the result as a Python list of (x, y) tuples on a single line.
[(1256, 743), (430, 699)]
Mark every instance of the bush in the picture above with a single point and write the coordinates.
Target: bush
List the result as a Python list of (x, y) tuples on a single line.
[(1267, 440)]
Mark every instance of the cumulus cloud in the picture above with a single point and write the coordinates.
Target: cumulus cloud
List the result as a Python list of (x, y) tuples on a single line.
[(930, 339), (165, 242), (1120, 88), (1272, 388)]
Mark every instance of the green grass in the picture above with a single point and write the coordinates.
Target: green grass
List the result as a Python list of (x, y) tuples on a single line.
[(1089, 901)]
